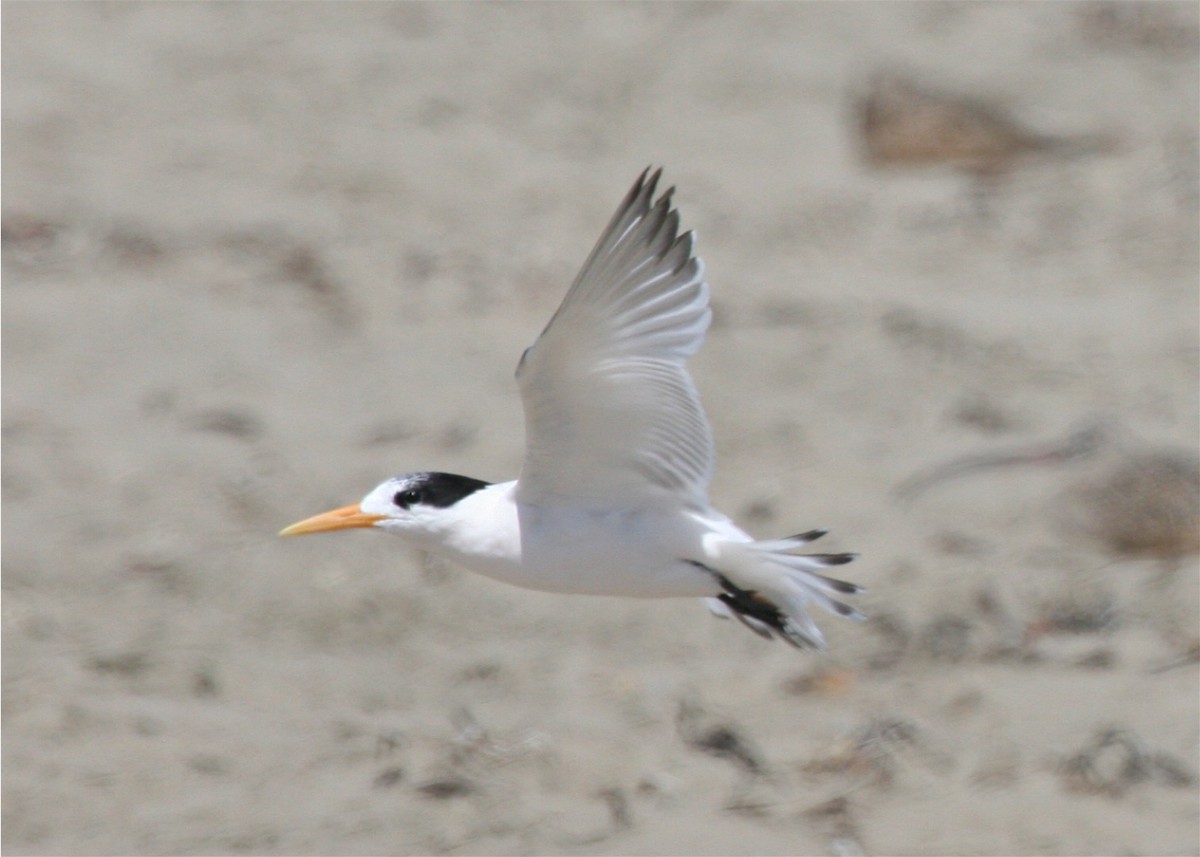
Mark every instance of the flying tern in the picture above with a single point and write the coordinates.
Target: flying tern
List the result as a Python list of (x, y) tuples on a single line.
[(612, 497)]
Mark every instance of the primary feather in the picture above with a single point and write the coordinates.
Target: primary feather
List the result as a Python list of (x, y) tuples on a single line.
[(610, 410)]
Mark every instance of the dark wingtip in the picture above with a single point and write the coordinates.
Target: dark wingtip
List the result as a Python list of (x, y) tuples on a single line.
[(649, 184), (848, 612), (834, 558), (642, 191), (843, 586)]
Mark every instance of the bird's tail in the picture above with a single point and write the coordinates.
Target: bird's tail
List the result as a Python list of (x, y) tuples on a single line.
[(768, 586)]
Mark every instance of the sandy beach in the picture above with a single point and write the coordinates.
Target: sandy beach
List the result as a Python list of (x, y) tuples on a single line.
[(258, 257)]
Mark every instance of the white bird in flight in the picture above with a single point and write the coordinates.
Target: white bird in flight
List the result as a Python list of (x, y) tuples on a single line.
[(612, 497)]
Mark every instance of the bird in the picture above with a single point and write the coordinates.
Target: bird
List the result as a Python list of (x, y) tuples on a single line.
[(612, 494)]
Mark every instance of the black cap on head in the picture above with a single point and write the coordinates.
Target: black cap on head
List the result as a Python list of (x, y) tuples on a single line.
[(435, 489)]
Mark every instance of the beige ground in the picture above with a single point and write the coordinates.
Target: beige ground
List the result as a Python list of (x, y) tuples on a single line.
[(258, 257)]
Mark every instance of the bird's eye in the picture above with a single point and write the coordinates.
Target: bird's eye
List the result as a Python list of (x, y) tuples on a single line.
[(404, 499)]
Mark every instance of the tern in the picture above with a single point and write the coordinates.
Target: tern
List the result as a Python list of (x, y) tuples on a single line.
[(612, 497)]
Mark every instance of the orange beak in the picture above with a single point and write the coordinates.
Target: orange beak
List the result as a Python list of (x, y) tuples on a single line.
[(344, 518)]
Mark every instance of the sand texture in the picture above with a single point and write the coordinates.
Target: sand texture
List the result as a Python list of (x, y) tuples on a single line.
[(258, 257)]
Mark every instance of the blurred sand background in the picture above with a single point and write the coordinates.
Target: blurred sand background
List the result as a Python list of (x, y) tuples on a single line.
[(258, 257)]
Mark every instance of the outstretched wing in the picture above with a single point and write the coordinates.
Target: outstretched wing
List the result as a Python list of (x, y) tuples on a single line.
[(612, 417)]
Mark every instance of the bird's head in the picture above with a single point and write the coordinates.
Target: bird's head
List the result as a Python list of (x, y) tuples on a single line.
[(411, 504)]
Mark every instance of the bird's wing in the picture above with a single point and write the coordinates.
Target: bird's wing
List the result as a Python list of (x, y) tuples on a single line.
[(611, 415)]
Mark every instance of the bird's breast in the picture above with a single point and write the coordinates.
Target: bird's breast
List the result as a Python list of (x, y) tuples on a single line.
[(606, 552), (573, 549)]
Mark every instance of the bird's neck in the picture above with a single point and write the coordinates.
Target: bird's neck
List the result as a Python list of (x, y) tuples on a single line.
[(483, 533)]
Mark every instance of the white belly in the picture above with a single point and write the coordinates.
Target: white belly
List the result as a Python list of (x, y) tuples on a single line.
[(569, 550), (618, 552)]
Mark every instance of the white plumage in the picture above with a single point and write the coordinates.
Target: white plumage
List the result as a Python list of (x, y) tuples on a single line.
[(612, 497)]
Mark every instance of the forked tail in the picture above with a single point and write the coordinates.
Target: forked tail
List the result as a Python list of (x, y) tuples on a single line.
[(768, 587)]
